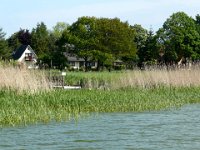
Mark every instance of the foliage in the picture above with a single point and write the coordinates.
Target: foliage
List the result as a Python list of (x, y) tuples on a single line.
[(100, 39), (59, 105), (179, 37), (80, 39), (4, 50), (116, 37), (140, 39), (197, 21), (13, 41), (24, 37), (148, 50), (107, 40), (40, 42), (59, 28)]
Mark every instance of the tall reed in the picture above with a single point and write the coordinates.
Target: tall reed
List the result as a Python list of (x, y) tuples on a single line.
[(61, 105), (22, 79), (157, 78), (136, 78)]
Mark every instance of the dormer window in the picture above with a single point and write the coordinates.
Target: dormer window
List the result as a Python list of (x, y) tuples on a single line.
[(28, 57)]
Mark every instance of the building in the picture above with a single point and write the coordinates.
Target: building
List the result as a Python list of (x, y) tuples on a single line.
[(25, 55), (76, 62)]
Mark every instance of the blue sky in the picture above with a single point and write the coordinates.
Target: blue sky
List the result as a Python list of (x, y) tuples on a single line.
[(25, 14)]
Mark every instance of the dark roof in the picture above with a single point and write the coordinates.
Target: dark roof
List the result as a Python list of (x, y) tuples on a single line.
[(19, 51), (73, 57), (76, 59)]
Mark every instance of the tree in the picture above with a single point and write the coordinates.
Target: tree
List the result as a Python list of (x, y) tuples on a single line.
[(140, 36), (56, 53), (197, 21), (40, 42), (179, 37), (24, 37), (59, 28), (13, 41), (80, 38), (4, 50), (148, 52), (140, 39), (116, 38), (101, 39)]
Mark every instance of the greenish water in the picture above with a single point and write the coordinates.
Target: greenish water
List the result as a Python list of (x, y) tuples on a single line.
[(163, 130)]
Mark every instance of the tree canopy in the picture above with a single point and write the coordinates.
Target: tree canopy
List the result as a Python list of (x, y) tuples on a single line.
[(106, 40), (101, 39), (179, 37), (4, 50)]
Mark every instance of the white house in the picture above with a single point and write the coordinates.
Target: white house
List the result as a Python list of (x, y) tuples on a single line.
[(26, 56)]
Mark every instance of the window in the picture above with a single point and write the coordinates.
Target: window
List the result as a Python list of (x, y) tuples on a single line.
[(91, 64), (28, 57), (82, 64), (72, 63)]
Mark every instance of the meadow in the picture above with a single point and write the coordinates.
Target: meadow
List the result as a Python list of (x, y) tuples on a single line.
[(26, 96)]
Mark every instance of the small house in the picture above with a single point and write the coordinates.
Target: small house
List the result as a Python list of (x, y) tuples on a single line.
[(76, 62), (25, 55)]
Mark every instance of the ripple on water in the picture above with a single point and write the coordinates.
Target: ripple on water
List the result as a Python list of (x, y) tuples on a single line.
[(175, 129)]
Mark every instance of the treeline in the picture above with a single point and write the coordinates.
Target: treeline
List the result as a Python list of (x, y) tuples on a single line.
[(106, 40)]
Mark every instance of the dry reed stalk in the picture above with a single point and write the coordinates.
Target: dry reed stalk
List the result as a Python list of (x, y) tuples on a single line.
[(155, 78), (22, 79)]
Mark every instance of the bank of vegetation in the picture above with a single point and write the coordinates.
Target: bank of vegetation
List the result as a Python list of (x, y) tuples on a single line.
[(27, 98)]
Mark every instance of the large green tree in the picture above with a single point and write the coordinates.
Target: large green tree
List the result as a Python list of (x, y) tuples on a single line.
[(100, 39), (179, 38), (117, 38), (80, 38)]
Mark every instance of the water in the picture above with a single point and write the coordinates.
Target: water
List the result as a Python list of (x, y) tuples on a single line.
[(165, 130)]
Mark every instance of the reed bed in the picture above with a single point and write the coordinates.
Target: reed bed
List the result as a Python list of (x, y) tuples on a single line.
[(157, 78), (22, 79), (26, 97), (136, 78), (60, 105)]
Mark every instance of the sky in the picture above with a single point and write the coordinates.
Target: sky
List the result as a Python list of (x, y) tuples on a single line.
[(25, 14)]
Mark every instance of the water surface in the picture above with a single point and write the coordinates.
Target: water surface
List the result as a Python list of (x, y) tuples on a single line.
[(165, 130)]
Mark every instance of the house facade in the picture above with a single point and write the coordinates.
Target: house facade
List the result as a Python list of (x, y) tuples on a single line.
[(76, 62), (25, 55)]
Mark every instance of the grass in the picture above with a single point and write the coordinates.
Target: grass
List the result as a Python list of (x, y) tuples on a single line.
[(27, 98), (92, 80), (136, 78), (60, 105)]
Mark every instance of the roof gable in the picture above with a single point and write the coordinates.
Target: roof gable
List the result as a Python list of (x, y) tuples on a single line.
[(19, 51)]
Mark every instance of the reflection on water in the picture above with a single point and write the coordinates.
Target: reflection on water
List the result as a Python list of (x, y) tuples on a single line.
[(177, 129)]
